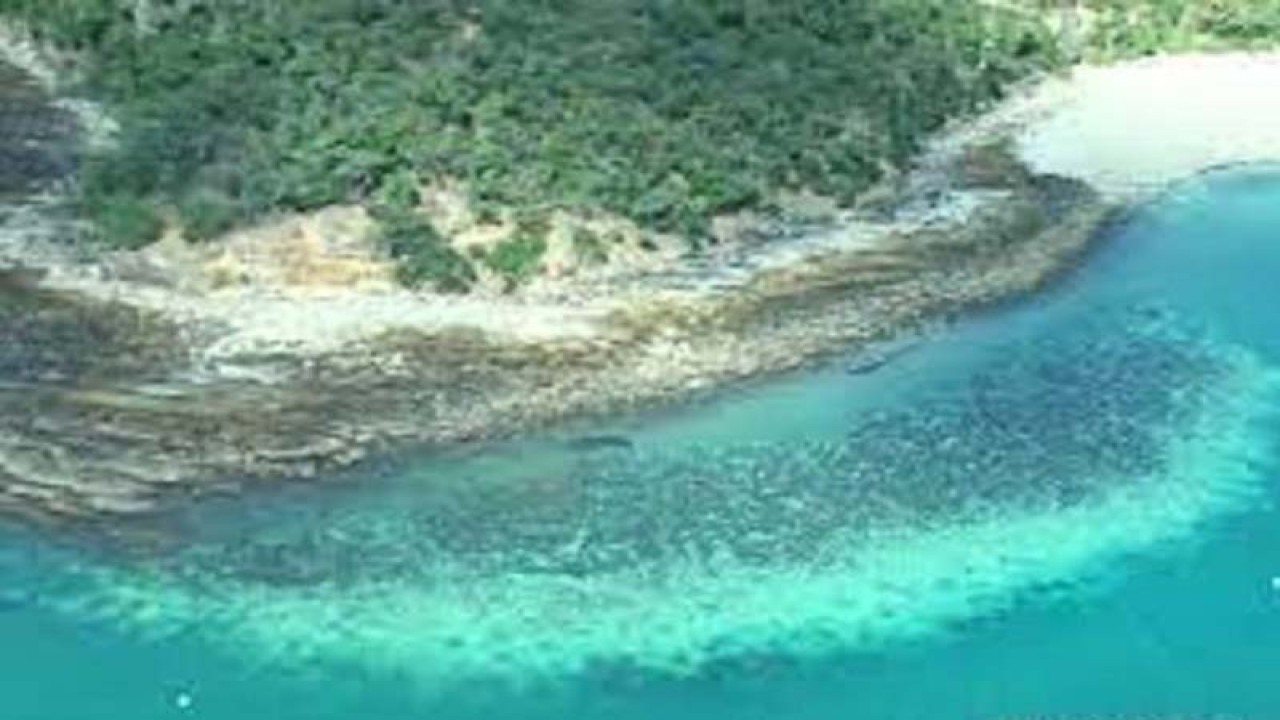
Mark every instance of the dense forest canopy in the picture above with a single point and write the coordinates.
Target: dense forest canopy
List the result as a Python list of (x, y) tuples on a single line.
[(665, 112), (1127, 28)]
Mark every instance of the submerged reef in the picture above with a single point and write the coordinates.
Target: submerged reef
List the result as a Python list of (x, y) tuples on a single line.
[(1031, 466), (1047, 424)]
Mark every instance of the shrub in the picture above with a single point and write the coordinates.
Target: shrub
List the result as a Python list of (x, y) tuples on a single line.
[(423, 258), (125, 222), (206, 214), (517, 258)]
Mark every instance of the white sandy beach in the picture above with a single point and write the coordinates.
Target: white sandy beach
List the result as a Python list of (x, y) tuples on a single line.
[(1133, 128)]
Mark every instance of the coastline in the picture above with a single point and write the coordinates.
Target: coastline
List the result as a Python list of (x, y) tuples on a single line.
[(184, 392)]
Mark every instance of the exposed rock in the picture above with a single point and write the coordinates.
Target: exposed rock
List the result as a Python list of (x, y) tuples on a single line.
[(139, 380), (588, 443)]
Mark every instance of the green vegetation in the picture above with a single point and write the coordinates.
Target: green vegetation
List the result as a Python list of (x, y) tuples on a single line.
[(517, 258), (665, 112), (124, 221), (422, 257), (1129, 28)]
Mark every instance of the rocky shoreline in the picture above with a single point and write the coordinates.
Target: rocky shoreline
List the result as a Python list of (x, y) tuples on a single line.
[(119, 397)]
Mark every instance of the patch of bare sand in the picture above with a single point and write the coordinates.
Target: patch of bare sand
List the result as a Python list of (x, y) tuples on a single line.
[(1131, 129)]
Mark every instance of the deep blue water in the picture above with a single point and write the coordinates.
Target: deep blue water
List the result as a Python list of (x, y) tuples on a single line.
[(1064, 508)]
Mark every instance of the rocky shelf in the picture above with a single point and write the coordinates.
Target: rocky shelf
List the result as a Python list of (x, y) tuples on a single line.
[(120, 395)]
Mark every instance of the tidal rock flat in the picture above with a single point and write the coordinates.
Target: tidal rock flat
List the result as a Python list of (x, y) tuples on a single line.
[(1030, 469), (129, 385)]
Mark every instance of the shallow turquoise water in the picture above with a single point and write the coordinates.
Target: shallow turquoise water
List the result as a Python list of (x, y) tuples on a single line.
[(1064, 508)]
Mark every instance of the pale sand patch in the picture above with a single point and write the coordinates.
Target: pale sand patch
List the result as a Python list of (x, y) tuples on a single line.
[(1132, 129)]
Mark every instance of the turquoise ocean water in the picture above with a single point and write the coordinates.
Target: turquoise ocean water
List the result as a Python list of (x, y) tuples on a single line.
[(1064, 508)]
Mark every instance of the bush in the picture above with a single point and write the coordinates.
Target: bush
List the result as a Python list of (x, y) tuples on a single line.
[(518, 258), (125, 222), (206, 214), (436, 266), (423, 258), (1133, 28)]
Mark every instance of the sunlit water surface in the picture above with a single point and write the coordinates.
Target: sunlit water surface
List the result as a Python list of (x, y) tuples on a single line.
[(1061, 509)]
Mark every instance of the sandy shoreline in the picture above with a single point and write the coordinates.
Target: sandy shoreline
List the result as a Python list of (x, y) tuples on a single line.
[(1131, 130), (189, 392)]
